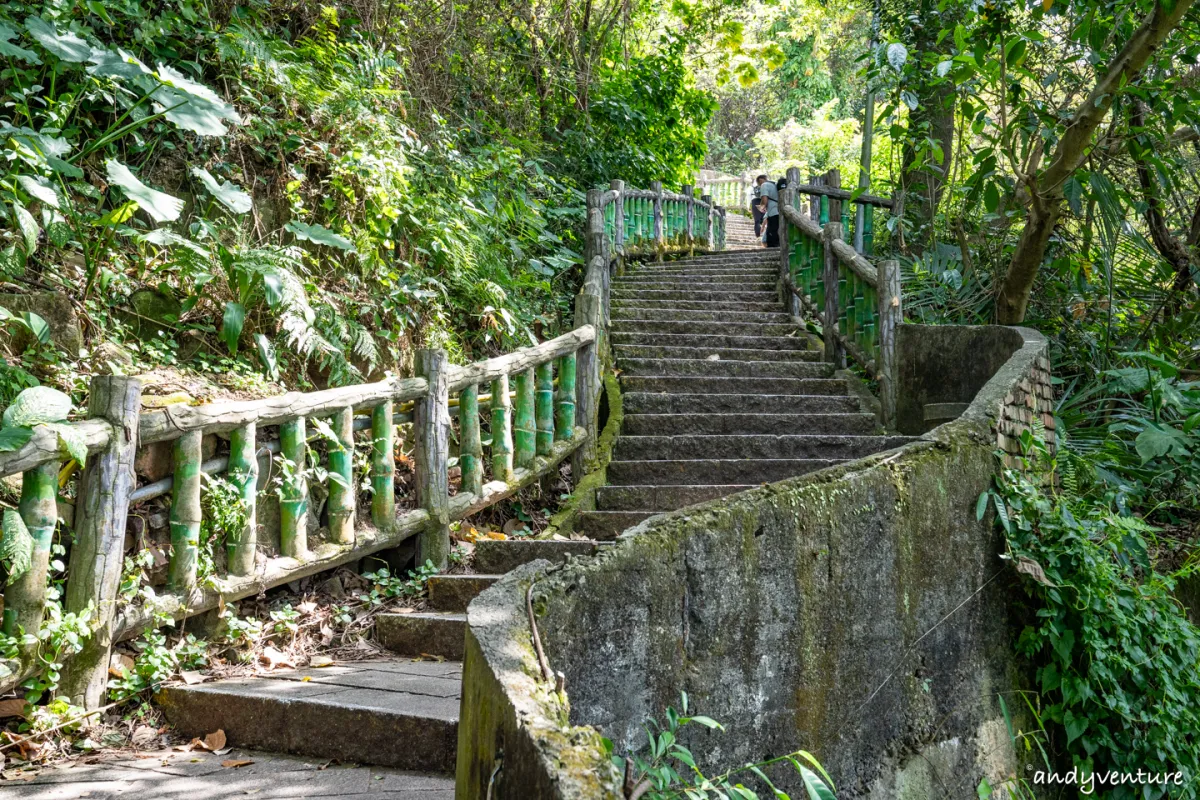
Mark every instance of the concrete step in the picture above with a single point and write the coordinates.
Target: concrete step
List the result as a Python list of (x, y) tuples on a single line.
[(738, 423), (608, 525), (736, 386), (690, 472), (626, 351), (455, 592), (498, 557), (724, 368), (661, 498), (696, 305), (423, 633), (706, 328), (394, 713), (738, 296), (679, 403), (752, 446), (622, 313), (763, 271), (748, 283)]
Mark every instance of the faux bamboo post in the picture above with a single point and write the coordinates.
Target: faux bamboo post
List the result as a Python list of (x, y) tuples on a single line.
[(656, 187), (524, 421), (432, 427), (341, 464), (185, 512), (383, 465), (293, 499), (707, 200), (98, 552), (544, 408), (890, 315), (833, 179), (25, 598), (470, 449), (243, 474), (564, 409), (830, 276), (619, 218), (502, 444)]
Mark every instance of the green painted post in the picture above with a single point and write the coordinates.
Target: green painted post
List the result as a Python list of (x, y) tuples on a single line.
[(564, 409), (824, 216), (545, 408), (470, 450), (243, 473), (502, 443), (341, 464), (293, 502), (185, 512), (383, 465), (25, 598), (524, 426), (868, 230)]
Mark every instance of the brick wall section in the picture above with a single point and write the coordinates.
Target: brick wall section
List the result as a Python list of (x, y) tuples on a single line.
[(1031, 398)]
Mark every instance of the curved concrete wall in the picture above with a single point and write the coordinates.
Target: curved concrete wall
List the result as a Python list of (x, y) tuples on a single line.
[(859, 612)]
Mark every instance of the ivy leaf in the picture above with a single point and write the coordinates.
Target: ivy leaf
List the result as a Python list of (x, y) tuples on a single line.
[(66, 46), (266, 354), (319, 234), (14, 438), (70, 441), (1075, 726), (16, 545), (232, 324), (162, 207), (36, 405), (29, 228), (226, 193), (897, 55)]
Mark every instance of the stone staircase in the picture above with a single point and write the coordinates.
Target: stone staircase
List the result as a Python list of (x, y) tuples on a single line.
[(720, 391), (739, 233)]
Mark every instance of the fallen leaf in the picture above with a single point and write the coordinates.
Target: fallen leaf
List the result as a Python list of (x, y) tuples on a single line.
[(192, 677), (320, 661), (714, 357), (307, 607), (143, 735), (214, 741), (306, 678), (14, 707), (500, 537), (234, 763), (1034, 570), (512, 526), (222, 751), (119, 665), (274, 657)]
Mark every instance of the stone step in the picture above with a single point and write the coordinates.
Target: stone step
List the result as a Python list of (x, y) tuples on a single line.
[(737, 423), (745, 283), (679, 403), (423, 633), (697, 305), (683, 447), (455, 592), (690, 472), (707, 328), (696, 294), (764, 271), (622, 313), (661, 498), (724, 368), (735, 342), (608, 525), (498, 557), (735, 386), (626, 351), (394, 713)]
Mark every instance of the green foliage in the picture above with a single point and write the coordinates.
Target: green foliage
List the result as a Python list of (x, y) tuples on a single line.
[(1116, 657), (222, 521), (157, 661), (386, 586)]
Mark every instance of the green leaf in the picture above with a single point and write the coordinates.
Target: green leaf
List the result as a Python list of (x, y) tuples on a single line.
[(16, 545), (165, 237), (1157, 441), (192, 106), (266, 355), (984, 790), (707, 722), (13, 51), (813, 785), (897, 55), (991, 198), (1164, 366), (107, 64), (66, 46), (29, 228), (162, 207), (36, 405), (231, 325), (36, 325), (38, 190), (319, 234), (14, 438), (981, 505), (70, 441), (226, 193)]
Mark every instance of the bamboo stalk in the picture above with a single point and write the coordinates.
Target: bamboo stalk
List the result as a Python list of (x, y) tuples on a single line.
[(341, 466), (524, 427), (470, 451), (564, 409), (545, 408), (185, 512), (293, 501), (243, 473), (25, 598), (502, 444), (383, 466)]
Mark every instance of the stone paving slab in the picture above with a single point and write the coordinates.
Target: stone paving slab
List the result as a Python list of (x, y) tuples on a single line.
[(174, 775)]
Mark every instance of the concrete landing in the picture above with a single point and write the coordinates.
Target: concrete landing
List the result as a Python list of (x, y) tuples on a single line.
[(172, 775), (396, 712)]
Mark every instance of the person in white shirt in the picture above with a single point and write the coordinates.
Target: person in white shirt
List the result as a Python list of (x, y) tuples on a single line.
[(755, 211)]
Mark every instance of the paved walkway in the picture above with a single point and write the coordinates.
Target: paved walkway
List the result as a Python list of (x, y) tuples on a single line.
[(172, 775)]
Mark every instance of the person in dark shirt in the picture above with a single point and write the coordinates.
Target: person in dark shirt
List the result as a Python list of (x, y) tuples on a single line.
[(755, 211), (770, 209)]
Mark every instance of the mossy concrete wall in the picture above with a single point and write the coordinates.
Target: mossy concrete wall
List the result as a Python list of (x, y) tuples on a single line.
[(860, 612)]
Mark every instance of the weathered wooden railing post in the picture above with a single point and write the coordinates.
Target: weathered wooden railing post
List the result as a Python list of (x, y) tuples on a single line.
[(98, 553), (890, 315), (243, 474), (689, 222), (618, 220), (431, 426), (830, 277), (833, 179), (587, 382), (659, 243)]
